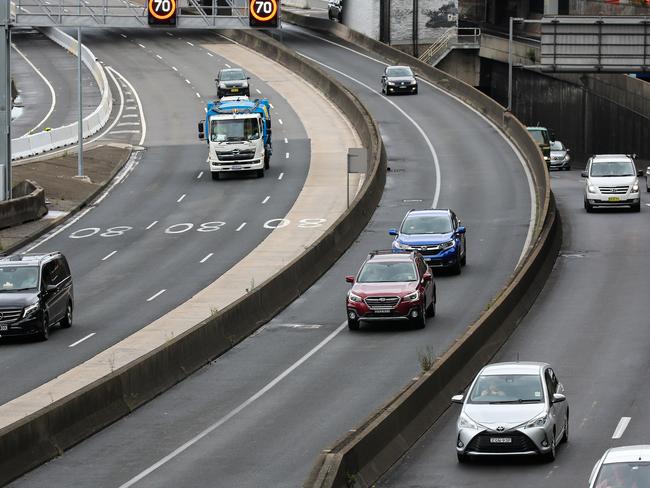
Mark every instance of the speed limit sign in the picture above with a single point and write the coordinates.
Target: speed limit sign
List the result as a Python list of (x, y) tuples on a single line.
[(162, 12), (263, 13)]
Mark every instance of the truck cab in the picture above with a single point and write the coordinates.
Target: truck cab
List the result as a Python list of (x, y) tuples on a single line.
[(238, 133)]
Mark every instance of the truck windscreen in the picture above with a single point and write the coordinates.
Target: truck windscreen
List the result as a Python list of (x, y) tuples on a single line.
[(224, 130)]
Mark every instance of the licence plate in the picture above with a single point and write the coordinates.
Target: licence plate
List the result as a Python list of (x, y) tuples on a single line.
[(236, 166), (383, 310), (4, 327), (613, 199), (234, 90), (501, 440)]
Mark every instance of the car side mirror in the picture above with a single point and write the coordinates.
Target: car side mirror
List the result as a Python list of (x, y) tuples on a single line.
[(583, 174), (248, 77), (50, 288), (558, 398), (639, 172), (392, 232), (427, 276), (349, 279), (457, 399), (201, 130), (383, 77), (461, 230)]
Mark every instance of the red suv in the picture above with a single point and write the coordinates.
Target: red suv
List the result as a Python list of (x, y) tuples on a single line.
[(391, 286)]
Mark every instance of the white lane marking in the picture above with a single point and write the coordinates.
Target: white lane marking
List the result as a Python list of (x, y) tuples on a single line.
[(174, 68), (156, 295), (529, 177), (158, 56), (620, 428), (125, 132), (258, 91), (206, 110), (169, 34), (198, 95), (436, 162), (123, 35), (286, 156), (281, 176), (108, 255), (210, 54), (141, 45), (240, 227), (49, 85), (129, 116), (266, 199), (143, 121), (206, 258), (236, 410), (188, 81), (83, 338), (647, 204), (280, 120), (151, 224), (286, 141), (190, 43), (181, 198), (123, 124), (227, 65), (199, 175)]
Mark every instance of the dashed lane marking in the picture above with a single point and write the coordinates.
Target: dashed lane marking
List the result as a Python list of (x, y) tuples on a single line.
[(174, 68), (266, 199), (153, 297), (190, 43), (206, 258), (81, 340), (109, 255), (200, 175), (286, 156), (141, 45), (151, 224), (240, 227), (620, 428), (182, 197), (281, 176), (158, 56)]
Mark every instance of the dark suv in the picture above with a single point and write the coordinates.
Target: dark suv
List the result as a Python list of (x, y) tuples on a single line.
[(35, 293), (391, 286)]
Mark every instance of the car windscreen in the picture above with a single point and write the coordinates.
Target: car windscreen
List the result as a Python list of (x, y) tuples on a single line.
[(397, 72), (557, 146), (539, 136), (510, 388), (427, 224), (612, 168), (16, 278), (624, 475), (224, 130), (387, 272), (236, 75)]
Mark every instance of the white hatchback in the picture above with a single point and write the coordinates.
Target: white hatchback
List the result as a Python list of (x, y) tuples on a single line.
[(622, 467), (612, 181)]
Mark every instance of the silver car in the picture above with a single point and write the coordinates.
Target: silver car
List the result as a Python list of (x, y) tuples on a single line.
[(622, 467), (512, 409), (560, 158)]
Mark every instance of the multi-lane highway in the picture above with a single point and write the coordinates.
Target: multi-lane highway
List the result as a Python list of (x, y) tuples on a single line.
[(260, 414), (591, 323), (167, 226)]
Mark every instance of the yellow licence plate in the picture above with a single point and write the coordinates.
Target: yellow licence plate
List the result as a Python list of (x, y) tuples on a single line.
[(613, 199), (234, 90)]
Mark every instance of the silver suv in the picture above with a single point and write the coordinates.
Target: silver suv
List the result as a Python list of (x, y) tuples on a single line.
[(512, 409), (612, 181)]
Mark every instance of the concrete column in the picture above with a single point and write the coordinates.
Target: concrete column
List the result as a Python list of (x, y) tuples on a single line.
[(551, 7), (5, 101)]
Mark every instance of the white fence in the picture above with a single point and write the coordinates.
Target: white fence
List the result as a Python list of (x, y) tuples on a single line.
[(33, 144)]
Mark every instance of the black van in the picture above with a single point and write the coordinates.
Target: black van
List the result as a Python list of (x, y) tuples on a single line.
[(35, 293)]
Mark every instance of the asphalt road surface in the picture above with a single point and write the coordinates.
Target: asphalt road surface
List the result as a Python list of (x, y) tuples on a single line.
[(591, 323), (260, 414)]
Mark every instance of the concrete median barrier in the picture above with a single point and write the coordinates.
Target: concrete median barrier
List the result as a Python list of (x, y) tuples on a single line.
[(362, 456), (27, 204), (37, 426)]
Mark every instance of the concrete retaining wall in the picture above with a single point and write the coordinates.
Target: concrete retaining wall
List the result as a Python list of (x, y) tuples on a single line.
[(364, 455), (40, 435), (33, 144), (27, 204)]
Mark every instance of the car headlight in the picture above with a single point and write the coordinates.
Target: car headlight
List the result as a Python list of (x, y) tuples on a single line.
[(354, 298), (635, 187), (567, 157), (222, 85), (464, 422), (391, 83), (412, 296), (592, 188), (413, 82), (538, 421), (30, 310), (400, 245), (448, 244)]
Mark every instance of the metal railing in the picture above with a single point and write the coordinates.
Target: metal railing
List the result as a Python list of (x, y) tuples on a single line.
[(461, 37), (127, 13)]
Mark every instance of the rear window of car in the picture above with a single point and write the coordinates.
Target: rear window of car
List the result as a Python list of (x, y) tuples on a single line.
[(232, 75), (383, 272)]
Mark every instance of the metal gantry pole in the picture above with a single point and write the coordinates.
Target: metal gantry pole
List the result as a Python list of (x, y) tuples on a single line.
[(5, 100), (510, 25), (80, 155)]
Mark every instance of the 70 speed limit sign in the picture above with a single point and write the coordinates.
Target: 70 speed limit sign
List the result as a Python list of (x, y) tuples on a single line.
[(263, 13), (161, 12)]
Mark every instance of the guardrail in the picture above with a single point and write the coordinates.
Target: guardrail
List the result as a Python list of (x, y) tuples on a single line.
[(451, 38), (32, 432), (34, 144), (362, 456)]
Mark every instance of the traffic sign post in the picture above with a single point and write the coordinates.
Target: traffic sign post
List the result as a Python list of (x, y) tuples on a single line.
[(162, 12), (263, 13)]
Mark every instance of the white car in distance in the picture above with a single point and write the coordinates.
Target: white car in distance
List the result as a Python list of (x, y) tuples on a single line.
[(622, 467), (612, 181)]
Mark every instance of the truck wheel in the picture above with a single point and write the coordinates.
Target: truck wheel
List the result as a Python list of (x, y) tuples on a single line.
[(215, 175), (267, 161), (260, 173)]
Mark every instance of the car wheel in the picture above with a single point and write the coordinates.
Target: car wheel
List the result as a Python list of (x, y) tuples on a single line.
[(431, 309), (215, 175), (420, 321), (565, 436), (463, 260), (415, 92), (588, 207), (462, 458), (340, 17), (457, 269), (648, 189), (549, 457), (44, 333), (66, 321), (637, 207), (353, 324)]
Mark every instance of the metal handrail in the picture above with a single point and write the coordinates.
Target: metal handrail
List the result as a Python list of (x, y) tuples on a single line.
[(450, 38)]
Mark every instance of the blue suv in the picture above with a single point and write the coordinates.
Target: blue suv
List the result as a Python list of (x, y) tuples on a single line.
[(437, 234)]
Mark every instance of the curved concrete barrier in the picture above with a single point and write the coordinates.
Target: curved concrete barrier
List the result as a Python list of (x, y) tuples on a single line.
[(33, 144), (368, 452), (27, 204), (34, 430)]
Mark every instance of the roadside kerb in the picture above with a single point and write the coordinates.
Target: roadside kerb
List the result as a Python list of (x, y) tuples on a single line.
[(29, 437), (43, 141), (28, 204), (360, 458)]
